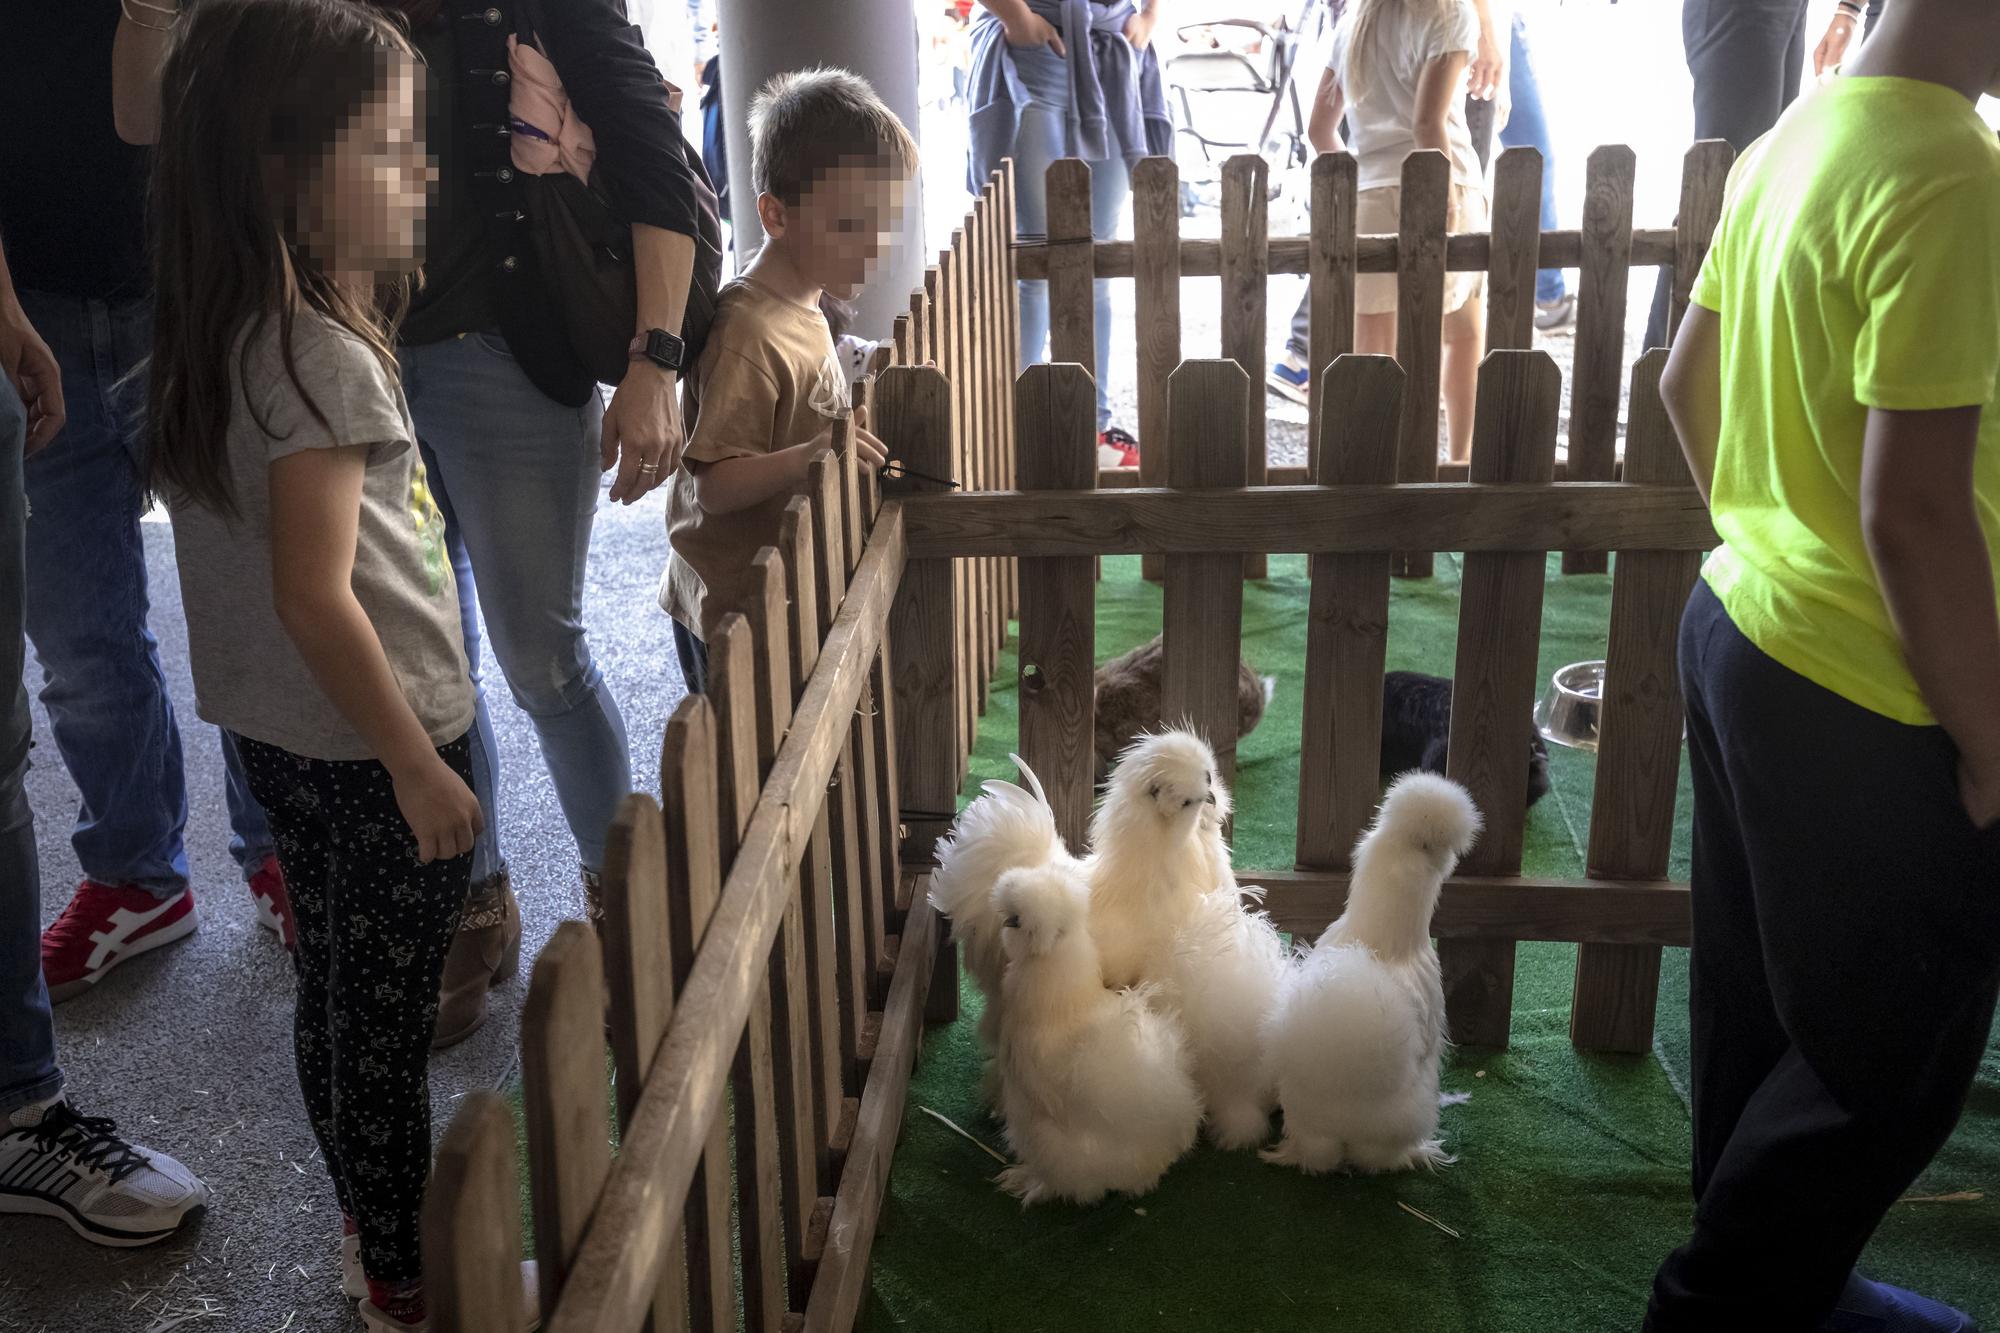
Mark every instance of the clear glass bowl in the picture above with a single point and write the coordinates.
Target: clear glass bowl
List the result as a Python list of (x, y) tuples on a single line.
[(1570, 707)]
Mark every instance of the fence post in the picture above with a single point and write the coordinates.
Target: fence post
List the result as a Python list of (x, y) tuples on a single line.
[(1156, 306), (1056, 406), (1639, 739), (1330, 260), (1202, 614), (1347, 628), (1516, 248), (1493, 699), (638, 972), (817, 886), (563, 1098), (1604, 279), (1704, 172), (471, 1222), (1420, 325), (694, 884), (760, 1232), (1246, 281)]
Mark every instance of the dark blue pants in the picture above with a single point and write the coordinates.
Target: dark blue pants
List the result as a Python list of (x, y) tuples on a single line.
[(693, 654), (1845, 961)]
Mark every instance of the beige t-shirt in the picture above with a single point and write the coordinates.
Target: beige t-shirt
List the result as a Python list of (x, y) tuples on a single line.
[(248, 675), (768, 379)]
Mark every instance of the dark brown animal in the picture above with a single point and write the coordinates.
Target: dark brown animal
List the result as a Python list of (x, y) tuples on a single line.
[(1128, 700)]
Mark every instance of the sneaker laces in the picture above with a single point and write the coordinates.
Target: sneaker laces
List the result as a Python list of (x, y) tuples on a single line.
[(1116, 435), (90, 1141)]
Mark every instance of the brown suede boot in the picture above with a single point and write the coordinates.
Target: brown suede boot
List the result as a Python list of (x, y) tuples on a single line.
[(485, 952)]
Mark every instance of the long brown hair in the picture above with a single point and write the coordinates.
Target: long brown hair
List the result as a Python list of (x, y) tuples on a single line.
[(253, 96)]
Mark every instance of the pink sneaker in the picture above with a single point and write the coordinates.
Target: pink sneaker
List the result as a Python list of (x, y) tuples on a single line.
[(103, 926), (274, 904)]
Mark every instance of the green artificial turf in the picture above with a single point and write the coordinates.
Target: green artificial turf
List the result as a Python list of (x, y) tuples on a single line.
[(1572, 1179)]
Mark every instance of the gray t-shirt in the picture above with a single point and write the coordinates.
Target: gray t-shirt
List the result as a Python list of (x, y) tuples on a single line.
[(248, 675)]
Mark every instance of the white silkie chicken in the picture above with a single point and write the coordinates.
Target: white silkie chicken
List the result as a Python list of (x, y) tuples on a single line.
[(1156, 848), (1095, 1089), (1222, 980), (1358, 1032), (1005, 829)]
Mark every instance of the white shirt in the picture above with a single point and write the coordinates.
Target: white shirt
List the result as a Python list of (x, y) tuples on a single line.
[(1381, 122)]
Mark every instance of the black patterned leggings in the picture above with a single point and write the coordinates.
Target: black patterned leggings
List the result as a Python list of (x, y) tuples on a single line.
[(374, 926)]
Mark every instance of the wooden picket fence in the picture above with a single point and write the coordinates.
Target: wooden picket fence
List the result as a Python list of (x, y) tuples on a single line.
[(768, 958)]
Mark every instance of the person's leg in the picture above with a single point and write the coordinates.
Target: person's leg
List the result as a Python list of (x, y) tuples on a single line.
[(1040, 137), (392, 919), (105, 692), (1735, 1035), (693, 655), (284, 785), (1375, 335), (1299, 344), (1745, 57), (1527, 126), (1110, 189), (28, 1072), (1464, 342), (521, 472), (1880, 934), (487, 861)]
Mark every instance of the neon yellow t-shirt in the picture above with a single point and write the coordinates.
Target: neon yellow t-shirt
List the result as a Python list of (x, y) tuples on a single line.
[(1857, 265)]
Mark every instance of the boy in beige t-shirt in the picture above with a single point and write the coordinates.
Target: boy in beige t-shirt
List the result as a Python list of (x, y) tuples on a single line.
[(830, 164)]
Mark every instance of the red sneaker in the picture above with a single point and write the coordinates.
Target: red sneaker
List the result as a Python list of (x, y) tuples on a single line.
[(1116, 448), (274, 904), (102, 927)]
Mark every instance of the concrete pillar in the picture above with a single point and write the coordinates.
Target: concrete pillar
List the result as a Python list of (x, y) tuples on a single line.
[(876, 39)]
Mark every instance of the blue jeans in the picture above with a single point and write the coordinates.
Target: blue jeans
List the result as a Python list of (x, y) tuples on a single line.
[(28, 1070), (516, 476), (1041, 138), (1528, 127), (86, 608)]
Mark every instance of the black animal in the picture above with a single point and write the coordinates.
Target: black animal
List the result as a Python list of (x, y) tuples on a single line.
[(1416, 729)]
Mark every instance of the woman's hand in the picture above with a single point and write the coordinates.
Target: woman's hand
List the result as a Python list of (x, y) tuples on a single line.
[(26, 360), (440, 809), (1832, 48), (1139, 28), (1025, 28), (642, 431)]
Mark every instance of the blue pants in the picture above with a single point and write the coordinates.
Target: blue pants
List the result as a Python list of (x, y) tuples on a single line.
[(1846, 954), (28, 1070), (1040, 140), (515, 474), (1528, 126), (86, 611)]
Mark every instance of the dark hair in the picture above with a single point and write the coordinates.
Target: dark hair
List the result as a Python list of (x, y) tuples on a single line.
[(253, 95), (814, 120)]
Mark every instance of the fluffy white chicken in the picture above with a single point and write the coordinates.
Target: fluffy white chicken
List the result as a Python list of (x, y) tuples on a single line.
[(1358, 1031), (1095, 1088), (1007, 828), (1222, 981), (1156, 847)]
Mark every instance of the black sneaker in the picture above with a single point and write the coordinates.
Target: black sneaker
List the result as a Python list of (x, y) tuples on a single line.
[(77, 1169)]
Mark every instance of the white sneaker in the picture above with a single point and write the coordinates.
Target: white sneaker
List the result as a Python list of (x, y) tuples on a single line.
[(56, 1163)]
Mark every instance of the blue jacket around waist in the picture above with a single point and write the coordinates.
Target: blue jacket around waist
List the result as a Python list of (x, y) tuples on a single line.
[(1118, 104)]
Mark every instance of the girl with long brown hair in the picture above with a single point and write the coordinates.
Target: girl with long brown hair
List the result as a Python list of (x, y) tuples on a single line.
[(323, 624)]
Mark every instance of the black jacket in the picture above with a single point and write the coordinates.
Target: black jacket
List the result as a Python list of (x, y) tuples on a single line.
[(482, 271)]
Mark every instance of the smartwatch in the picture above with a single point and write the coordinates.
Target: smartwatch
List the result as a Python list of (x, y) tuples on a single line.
[(663, 349)]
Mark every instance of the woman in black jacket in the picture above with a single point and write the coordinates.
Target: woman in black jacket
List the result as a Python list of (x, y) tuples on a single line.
[(514, 433)]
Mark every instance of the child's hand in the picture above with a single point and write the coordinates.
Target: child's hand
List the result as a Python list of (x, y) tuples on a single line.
[(440, 809), (871, 451), (1979, 788)]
